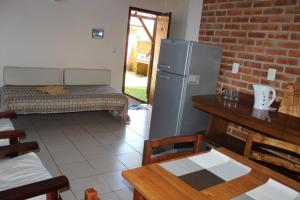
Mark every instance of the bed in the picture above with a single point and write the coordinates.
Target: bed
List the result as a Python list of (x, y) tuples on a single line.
[(84, 90)]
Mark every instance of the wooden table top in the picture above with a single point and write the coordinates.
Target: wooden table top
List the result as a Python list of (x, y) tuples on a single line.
[(271, 123), (154, 182)]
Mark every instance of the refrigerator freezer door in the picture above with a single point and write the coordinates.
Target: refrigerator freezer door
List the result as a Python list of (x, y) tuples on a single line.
[(173, 56), (166, 109)]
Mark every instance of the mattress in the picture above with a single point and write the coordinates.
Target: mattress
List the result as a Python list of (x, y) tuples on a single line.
[(22, 170), (27, 100)]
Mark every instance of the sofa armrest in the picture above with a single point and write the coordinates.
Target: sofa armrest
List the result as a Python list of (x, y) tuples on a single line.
[(18, 148), (8, 114), (12, 134), (51, 185)]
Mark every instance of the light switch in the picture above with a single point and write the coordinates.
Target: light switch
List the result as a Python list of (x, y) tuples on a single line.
[(235, 68), (117, 51), (271, 74)]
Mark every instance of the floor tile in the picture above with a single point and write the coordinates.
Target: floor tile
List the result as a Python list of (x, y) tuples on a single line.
[(49, 164), (73, 129), (115, 180), (110, 196), (119, 148), (131, 160), (60, 145), (94, 151), (78, 186), (95, 129), (124, 194), (90, 148), (127, 135), (106, 164), (138, 145), (68, 156), (77, 170), (83, 140), (107, 138), (67, 195)]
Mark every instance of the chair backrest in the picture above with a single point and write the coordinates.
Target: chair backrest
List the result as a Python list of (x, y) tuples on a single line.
[(273, 151), (150, 145)]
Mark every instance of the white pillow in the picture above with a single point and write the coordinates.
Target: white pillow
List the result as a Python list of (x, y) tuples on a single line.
[(32, 76), (86, 77)]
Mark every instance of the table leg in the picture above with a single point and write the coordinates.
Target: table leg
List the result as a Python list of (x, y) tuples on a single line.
[(216, 125), (137, 195)]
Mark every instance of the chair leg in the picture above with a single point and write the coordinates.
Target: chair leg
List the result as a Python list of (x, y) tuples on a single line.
[(53, 196), (137, 195), (13, 140)]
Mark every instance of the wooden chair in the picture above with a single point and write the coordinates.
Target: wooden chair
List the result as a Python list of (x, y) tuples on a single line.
[(91, 194), (273, 151), (8, 114), (150, 145), (8, 134), (17, 189)]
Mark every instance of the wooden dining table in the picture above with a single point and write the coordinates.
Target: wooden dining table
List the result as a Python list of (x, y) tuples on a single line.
[(154, 182)]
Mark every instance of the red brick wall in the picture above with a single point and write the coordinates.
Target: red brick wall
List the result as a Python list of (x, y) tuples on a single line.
[(256, 34)]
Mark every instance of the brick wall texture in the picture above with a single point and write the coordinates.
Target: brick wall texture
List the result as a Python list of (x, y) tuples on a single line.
[(256, 34)]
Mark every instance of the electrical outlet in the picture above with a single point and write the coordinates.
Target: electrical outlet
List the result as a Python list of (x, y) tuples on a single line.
[(235, 68), (271, 74)]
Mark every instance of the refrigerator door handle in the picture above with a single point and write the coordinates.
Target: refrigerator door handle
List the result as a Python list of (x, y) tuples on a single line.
[(165, 77), (164, 66)]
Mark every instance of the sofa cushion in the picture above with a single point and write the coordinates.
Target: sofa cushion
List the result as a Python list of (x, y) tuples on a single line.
[(32, 76), (86, 77), (22, 170)]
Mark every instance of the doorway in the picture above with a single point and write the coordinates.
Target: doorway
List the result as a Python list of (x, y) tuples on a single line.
[(144, 33)]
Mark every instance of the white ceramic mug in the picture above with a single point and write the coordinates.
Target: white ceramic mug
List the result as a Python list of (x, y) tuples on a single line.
[(264, 96)]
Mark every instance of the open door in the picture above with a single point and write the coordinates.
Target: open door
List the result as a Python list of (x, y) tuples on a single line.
[(162, 31), (144, 33)]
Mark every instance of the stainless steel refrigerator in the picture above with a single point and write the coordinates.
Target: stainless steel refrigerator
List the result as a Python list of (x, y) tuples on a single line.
[(185, 68)]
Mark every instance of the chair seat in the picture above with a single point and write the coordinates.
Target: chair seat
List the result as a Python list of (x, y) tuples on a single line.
[(4, 142), (5, 125), (22, 170)]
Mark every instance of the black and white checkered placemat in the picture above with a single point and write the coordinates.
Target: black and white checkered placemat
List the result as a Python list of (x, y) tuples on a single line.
[(206, 170)]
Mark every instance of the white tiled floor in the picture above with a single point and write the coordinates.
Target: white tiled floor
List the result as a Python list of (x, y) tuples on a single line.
[(90, 148)]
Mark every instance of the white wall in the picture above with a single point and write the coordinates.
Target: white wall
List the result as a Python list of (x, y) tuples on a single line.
[(48, 33), (186, 16), (179, 9), (193, 20)]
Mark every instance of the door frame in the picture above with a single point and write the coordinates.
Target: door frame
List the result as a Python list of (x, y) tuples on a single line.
[(152, 51), (169, 14)]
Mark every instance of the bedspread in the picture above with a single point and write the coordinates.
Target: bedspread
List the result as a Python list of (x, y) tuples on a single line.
[(27, 100)]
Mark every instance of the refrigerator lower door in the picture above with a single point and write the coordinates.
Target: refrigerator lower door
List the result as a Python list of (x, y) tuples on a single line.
[(166, 106)]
